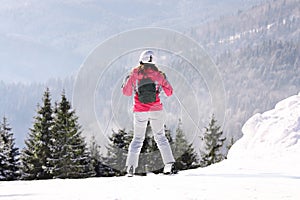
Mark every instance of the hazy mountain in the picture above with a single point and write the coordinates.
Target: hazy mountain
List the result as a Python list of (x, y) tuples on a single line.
[(257, 52), (51, 38)]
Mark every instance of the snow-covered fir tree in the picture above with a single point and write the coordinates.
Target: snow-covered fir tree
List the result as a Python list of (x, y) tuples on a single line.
[(101, 169), (95, 156), (37, 147), (117, 152), (228, 146), (69, 157), (186, 157), (9, 154), (213, 142)]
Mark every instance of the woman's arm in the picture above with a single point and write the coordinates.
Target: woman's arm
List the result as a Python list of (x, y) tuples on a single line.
[(166, 86), (129, 84)]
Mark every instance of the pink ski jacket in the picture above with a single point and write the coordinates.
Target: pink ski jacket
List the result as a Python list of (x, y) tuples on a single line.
[(130, 85)]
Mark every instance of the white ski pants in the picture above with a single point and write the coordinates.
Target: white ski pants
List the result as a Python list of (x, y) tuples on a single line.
[(156, 119)]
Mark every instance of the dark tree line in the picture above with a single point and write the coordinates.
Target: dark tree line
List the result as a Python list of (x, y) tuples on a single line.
[(55, 148), (150, 159)]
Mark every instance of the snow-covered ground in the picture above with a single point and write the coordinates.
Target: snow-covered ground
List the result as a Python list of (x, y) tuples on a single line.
[(263, 164), (201, 185)]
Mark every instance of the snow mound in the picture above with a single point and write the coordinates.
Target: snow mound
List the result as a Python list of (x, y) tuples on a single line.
[(271, 140)]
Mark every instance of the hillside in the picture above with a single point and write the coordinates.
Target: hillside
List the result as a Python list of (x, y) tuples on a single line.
[(257, 52)]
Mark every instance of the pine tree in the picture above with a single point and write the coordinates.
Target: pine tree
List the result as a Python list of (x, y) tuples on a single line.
[(185, 155), (228, 146), (117, 152), (70, 157), (100, 168), (95, 155), (213, 141), (36, 152), (9, 154)]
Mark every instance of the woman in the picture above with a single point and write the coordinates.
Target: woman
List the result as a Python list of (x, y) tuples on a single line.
[(148, 108)]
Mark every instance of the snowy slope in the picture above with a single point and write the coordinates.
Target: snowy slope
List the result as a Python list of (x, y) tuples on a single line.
[(264, 164), (202, 187), (272, 140)]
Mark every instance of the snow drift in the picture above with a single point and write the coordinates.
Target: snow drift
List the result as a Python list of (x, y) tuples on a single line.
[(271, 140)]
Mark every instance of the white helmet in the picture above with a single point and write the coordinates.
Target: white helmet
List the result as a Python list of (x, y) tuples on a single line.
[(147, 57)]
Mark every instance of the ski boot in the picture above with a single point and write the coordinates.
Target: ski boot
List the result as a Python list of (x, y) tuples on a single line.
[(130, 171), (170, 169)]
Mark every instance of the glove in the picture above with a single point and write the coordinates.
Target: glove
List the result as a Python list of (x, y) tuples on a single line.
[(164, 75), (125, 80)]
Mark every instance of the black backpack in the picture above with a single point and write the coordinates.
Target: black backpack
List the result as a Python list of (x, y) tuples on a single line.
[(146, 90)]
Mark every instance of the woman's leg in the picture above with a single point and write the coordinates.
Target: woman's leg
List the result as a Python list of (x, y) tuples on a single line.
[(157, 125), (140, 125)]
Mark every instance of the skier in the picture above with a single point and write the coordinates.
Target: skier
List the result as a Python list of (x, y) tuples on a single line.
[(146, 81)]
